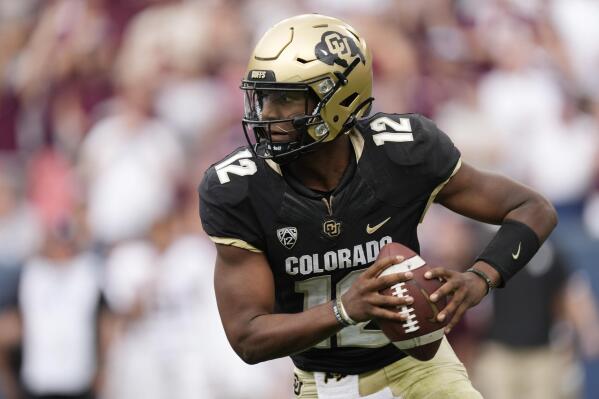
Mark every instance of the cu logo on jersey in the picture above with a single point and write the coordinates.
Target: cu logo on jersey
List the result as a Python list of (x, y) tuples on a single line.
[(287, 236), (335, 48), (331, 228)]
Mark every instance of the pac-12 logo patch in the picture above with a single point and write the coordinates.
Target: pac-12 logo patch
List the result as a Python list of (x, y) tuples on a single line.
[(335, 48), (287, 236)]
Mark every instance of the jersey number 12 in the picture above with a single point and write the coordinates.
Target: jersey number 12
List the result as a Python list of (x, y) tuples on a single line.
[(246, 166), (317, 290), (401, 131)]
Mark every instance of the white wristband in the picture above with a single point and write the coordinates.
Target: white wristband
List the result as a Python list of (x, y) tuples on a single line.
[(348, 320)]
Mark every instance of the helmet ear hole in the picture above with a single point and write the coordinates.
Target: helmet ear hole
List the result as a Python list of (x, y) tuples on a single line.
[(348, 100), (336, 118)]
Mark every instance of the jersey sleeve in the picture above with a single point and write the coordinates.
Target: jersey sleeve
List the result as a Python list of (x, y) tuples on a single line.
[(410, 157), (227, 214), (431, 157), (437, 156)]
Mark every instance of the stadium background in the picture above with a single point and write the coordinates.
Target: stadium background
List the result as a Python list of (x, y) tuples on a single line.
[(110, 111)]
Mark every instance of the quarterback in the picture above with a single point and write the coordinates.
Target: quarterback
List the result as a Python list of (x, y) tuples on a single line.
[(299, 216)]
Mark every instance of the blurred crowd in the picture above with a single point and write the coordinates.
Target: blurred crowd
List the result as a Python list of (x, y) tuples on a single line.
[(110, 111)]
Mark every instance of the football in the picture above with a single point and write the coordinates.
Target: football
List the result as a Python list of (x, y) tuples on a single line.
[(421, 334)]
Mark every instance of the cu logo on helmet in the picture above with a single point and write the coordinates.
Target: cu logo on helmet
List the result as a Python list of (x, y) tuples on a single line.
[(335, 48), (337, 44)]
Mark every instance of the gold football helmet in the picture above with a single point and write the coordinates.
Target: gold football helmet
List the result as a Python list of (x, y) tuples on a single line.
[(318, 58)]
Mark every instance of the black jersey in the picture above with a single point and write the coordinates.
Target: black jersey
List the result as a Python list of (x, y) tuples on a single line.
[(317, 244)]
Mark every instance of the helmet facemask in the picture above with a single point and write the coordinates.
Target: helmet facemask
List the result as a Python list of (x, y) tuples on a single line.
[(267, 141)]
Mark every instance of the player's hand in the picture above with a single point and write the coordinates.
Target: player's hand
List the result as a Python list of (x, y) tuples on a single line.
[(463, 290), (363, 301)]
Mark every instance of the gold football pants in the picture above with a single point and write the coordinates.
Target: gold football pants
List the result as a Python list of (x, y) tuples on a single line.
[(442, 377)]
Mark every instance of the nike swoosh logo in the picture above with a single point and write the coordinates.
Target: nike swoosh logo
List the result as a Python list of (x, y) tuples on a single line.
[(372, 229), (516, 255)]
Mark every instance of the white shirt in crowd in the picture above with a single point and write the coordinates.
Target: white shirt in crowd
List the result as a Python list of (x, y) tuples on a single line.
[(131, 172), (59, 304)]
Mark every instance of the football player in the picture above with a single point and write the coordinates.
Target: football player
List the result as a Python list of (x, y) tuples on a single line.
[(299, 215)]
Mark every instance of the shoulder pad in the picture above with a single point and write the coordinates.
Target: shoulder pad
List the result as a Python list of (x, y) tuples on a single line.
[(405, 139), (231, 193), (405, 156), (228, 180)]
